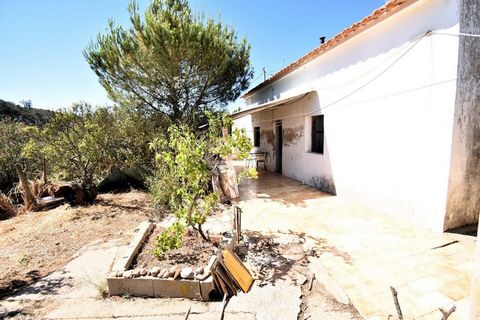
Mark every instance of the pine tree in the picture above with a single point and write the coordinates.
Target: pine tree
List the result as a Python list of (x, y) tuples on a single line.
[(172, 61)]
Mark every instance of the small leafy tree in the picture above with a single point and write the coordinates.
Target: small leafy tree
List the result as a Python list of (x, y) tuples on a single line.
[(173, 62), (84, 143), (186, 162), (12, 139)]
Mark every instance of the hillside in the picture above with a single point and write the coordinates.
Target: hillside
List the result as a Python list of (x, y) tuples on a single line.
[(11, 111)]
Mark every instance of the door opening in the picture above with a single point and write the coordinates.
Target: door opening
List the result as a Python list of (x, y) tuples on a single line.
[(278, 146)]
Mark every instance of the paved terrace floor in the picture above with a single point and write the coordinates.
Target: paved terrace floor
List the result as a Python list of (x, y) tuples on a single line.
[(365, 251)]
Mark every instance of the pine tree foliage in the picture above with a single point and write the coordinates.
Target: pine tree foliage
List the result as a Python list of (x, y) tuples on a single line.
[(172, 61)]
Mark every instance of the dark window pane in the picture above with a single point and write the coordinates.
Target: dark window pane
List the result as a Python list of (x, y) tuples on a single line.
[(256, 137), (317, 134)]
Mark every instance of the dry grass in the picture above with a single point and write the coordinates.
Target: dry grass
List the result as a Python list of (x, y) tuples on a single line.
[(7, 209), (35, 244)]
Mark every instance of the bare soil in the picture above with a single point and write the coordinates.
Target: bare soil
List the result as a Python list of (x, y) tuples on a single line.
[(195, 252), (35, 244)]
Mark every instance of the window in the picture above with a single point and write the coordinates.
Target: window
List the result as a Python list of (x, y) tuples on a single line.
[(317, 134), (256, 136)]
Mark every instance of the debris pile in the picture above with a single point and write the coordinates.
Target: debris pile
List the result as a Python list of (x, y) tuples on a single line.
[(40, 194)]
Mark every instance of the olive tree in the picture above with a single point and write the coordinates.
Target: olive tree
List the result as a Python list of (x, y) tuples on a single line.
[(12, 139), (84, 143)]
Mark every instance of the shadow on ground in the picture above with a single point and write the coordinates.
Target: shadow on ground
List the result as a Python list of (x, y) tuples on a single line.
[(279, 256)]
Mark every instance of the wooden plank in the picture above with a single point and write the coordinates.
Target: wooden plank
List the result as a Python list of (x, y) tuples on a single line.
[(216, 283), (224, 268), (236, 268), (223, 286), (226, 279)]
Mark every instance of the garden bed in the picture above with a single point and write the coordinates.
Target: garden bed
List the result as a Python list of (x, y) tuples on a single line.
[(195, 252), (184, 273)]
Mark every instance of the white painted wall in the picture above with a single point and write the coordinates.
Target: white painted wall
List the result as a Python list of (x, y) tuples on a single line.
[(388, 100)]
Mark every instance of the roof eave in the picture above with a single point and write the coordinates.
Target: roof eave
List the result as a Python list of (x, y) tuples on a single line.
[(380, 14)]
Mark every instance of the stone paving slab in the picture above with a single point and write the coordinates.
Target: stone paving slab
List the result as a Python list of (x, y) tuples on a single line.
[(366, 251), (279, 301)]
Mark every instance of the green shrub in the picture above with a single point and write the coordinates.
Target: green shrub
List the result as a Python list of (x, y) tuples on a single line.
[(186, 162)]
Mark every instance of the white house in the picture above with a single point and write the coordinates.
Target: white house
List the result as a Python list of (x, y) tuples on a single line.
[(372, 113)]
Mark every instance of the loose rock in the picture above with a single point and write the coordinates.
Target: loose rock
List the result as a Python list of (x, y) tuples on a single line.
[(136, 273), (161, 273), (202, 276), (154, 271), (176, 274), (143, 271), (186, 273)]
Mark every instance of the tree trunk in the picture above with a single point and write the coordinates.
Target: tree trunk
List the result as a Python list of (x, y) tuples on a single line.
[(44, 177), (30, 201)]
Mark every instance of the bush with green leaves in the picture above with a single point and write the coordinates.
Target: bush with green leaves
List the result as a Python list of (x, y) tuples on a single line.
[(186, 162), (84, 144), (13, 137)]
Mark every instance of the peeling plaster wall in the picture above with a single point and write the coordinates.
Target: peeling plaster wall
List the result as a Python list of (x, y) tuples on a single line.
[(298, 162), (387, 97)]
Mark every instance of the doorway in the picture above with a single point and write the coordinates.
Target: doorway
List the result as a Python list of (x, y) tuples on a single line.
[(278, 146)]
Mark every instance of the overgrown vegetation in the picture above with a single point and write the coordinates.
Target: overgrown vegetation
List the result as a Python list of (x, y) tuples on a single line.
[(169, 72), (172, 62), (84, 144), (13, 137), (186, 163)]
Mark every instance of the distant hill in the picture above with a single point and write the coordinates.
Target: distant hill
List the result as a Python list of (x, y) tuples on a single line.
[(31, 116)]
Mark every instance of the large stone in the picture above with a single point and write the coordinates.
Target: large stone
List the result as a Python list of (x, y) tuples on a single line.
[(193, 289), (186, 273), (138, 287)]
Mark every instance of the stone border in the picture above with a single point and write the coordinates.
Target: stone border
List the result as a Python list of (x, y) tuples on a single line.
[(141, 233), (173, 283), (154, 287)]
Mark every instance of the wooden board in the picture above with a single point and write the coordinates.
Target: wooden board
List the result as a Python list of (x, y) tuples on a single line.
[(236, 268)]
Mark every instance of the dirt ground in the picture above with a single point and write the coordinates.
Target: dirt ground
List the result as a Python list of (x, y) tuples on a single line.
[(35, 244), (195, 252)]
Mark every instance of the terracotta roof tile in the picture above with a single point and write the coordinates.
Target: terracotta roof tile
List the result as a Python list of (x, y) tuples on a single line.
[(387, 10)]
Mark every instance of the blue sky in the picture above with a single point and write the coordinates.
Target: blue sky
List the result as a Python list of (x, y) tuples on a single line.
[(41, 42)]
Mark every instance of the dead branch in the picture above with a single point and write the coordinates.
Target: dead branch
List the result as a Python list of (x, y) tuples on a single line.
[(30, 201), (310, 286), (397, 304), (188, 313), (447, 314)]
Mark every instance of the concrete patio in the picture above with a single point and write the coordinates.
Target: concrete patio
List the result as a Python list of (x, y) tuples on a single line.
[(365, 251)]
